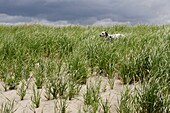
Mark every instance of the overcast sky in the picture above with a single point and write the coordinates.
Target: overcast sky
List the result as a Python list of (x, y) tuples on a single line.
[(86, 12)]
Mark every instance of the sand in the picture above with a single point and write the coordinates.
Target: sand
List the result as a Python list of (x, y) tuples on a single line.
[(73, 105)]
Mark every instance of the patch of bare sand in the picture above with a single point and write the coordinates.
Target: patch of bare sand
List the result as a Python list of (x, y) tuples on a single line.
[(73, 105)]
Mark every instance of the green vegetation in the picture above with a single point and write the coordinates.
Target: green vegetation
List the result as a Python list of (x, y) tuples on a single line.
[(62, 59), (8, 107), (60, 106), (92, 98), (22, 90), (35, 98)]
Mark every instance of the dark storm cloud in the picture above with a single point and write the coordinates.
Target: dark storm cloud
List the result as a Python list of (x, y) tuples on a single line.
[(85, 11)]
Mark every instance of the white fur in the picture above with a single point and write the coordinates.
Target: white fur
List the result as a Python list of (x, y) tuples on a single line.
[(111, 36)]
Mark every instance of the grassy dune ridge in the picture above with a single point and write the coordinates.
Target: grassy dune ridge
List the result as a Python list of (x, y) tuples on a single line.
[(77, 52)]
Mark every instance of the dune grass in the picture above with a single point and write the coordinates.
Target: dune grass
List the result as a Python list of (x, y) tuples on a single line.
[(74, 53)]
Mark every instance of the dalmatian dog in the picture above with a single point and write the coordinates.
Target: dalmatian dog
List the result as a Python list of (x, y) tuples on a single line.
[(111, 36)]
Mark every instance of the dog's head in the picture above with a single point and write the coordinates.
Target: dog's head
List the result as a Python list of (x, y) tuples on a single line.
[(103, 34)]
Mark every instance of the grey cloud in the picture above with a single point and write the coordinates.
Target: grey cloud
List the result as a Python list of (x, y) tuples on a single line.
[(4, 18), (7, 19), (108, 22), (87, 11)]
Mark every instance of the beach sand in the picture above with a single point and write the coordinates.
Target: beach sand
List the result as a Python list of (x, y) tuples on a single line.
[(73, 105)]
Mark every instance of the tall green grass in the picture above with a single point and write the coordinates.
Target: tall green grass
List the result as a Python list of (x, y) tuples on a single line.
[(67, 56)]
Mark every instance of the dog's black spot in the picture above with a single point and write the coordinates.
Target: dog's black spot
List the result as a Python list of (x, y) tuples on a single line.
[(106, 34)]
